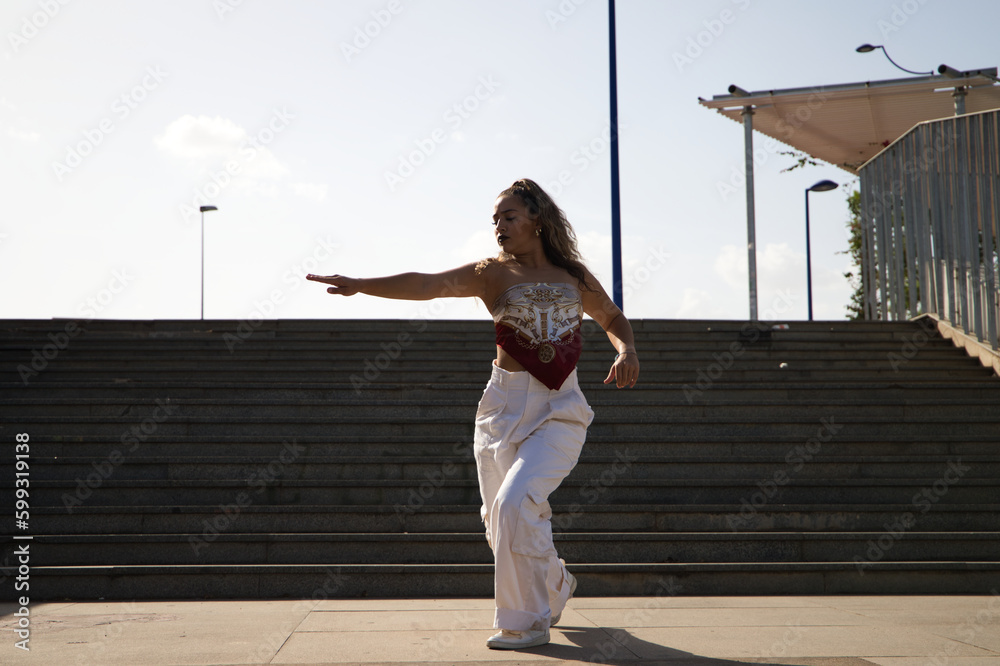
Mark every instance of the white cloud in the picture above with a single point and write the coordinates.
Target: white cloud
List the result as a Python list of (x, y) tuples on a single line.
[(780, 264), (216, 143), (731, 266), (697, 304), (478, 245), (202, 138), (777, 263)]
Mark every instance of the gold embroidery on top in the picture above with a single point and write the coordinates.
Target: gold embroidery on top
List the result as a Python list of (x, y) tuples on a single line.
[(543, 315)]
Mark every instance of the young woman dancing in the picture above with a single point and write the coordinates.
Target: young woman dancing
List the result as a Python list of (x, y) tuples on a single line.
[(533, 418)]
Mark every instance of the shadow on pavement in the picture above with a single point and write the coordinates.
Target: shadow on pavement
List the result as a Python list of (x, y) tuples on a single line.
[(606, 645)]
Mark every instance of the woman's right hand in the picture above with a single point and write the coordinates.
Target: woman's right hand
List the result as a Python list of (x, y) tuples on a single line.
[(341, 284)]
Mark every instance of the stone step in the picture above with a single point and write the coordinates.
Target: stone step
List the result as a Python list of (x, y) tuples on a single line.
[(85, 410), (130, 354), (472, 349), (793, 428), (395, 373), (427, 330), (899, 545), (300, 326), (306, 327), (903, 343), (906, 344), (139, 391), (418, 469), (655, 371), (446, 580), (704, 464), (665, 443), (257, 518), (606, 489), (479, 353)]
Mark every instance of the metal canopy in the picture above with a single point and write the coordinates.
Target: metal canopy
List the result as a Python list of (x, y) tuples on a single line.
[(848, 124)]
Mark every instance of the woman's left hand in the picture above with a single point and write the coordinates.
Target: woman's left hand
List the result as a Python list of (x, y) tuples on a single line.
[(624, 371)]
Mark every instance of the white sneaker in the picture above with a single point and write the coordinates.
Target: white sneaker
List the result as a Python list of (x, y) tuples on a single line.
[(572, 589), (516, 640)]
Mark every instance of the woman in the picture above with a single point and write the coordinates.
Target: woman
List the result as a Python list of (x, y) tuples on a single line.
[(532, 419)]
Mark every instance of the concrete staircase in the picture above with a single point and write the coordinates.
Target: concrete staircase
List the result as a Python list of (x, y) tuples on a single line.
[(179, 459)]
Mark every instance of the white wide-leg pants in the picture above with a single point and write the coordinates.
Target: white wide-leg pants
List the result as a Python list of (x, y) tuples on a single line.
[(528, 438)]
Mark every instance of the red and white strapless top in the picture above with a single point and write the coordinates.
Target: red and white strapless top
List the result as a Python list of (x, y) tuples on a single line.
[(538, 324)]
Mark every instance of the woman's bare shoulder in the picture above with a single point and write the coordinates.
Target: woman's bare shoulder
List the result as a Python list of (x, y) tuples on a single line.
[(498, 275)]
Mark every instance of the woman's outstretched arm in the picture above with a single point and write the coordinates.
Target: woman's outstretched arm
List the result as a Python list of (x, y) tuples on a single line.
[(456, 283)]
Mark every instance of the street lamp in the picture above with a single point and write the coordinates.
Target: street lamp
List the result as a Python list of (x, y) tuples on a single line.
[(203, 209), (868, 48), (821, 186)]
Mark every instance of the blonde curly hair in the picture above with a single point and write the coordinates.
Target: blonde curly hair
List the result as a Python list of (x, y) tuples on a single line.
[(558, 237)]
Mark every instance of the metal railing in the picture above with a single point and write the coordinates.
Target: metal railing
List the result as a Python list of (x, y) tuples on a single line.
[(930, 205)]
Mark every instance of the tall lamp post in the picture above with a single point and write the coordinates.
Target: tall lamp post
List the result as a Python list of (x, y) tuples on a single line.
[(821, 186), (203, 209), (616, 219)]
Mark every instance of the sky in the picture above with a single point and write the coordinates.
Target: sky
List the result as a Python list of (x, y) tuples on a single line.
[(371, 137)]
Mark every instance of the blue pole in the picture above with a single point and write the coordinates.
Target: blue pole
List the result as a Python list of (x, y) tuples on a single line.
[(809, 270), (616, 221)]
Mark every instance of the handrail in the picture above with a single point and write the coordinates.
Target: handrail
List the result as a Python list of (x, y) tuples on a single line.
[(930, 205)]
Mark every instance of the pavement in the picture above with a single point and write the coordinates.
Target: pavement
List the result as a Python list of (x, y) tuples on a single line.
[(677, 631)]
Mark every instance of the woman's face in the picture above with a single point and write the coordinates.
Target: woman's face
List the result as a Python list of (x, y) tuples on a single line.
[(513, 226)]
